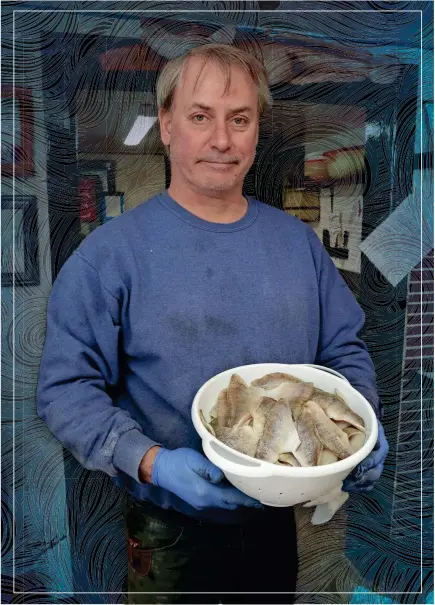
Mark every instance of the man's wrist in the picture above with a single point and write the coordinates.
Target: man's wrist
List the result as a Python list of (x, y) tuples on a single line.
[(146, 464)]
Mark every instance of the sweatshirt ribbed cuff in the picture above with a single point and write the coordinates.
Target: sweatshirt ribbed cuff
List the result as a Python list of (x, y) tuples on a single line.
[(129, 452)]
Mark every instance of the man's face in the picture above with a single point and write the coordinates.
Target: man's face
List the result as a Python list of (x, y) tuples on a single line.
[(212, 135)]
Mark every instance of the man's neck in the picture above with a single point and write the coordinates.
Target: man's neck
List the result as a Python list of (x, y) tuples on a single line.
[(222, 208)]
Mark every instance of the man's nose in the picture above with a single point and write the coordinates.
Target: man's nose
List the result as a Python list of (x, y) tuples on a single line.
[(221, 136)]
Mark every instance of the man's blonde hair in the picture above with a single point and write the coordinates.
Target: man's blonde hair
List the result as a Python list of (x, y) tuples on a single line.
[(225, 56)]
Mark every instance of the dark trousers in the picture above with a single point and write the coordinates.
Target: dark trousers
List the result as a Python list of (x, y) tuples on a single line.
[(171, 553)]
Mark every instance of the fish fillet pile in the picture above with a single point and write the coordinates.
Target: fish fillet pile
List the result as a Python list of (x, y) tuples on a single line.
[(284, 420)]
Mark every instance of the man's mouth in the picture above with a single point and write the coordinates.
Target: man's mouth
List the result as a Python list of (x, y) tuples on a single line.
[(218, 163), (220, 166), (222, 161)]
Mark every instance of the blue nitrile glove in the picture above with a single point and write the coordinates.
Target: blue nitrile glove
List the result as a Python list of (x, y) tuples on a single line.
[(190, 476), (364, 476)]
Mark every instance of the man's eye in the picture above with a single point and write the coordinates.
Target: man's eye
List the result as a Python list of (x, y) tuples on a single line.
[(199, 118), (240, 121)]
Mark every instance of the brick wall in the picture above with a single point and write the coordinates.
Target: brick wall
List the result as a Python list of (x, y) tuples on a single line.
[(413, 486)]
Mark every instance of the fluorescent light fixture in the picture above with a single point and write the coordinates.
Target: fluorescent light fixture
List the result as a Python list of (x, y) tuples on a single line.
[(139, 129)]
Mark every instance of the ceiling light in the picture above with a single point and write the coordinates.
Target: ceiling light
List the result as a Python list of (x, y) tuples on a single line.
[(141, 126)]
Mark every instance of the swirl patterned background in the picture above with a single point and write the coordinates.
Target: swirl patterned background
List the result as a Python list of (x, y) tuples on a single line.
[(352, 72)]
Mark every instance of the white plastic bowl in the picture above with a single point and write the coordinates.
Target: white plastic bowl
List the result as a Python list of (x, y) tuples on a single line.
[(272, 484)]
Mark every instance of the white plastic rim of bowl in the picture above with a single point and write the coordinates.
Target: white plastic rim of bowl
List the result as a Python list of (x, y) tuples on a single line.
[(232, 461)]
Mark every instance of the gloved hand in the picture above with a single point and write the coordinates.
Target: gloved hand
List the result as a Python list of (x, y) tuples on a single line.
[(194, 479), (364, 476)]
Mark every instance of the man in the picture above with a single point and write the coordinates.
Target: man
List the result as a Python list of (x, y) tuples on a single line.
[(198, 279)]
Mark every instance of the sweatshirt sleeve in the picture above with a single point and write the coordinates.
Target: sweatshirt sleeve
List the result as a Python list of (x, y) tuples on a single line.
[(341, 321), (79, 363)]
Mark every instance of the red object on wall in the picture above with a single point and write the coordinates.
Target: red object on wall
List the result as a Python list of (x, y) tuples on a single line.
[(88, 200)]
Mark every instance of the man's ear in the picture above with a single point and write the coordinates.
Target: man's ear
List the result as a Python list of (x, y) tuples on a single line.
[(165, 126)]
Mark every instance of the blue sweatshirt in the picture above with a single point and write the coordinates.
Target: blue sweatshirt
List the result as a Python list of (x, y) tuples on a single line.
[(154, 303)]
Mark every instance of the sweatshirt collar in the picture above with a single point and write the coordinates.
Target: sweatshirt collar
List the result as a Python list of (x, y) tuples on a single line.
[(186, 216)]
